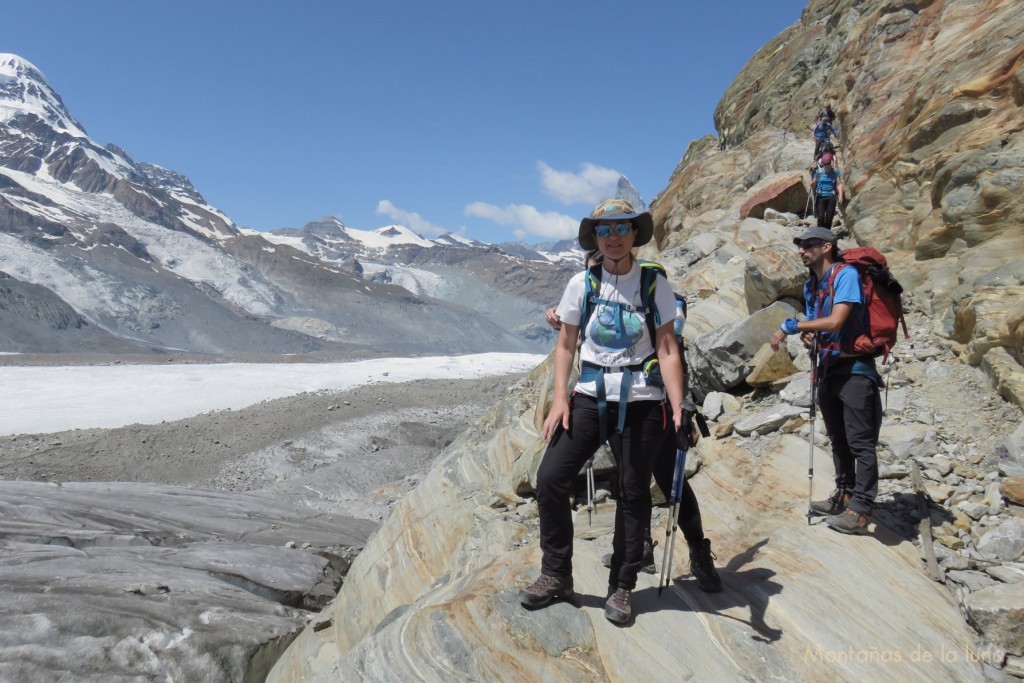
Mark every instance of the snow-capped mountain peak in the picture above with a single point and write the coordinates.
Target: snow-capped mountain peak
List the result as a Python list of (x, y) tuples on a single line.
[(24, 90), (388, 236)]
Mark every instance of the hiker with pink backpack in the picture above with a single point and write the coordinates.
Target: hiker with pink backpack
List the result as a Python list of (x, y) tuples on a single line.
[(853, 307)]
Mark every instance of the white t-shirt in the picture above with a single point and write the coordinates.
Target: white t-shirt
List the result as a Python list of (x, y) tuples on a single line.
[(617, 337)]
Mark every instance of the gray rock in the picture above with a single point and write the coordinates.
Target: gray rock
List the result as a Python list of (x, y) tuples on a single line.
[(897, 470), (1015, 443), (713, 407), (937, 370), (894, 402), (953, 562), (904, 440), (719, 358), (972, 580), (1006, 573), (973, 510), (766, 421), (995, 498), (997, 613), (798, 392), (1005, 542)]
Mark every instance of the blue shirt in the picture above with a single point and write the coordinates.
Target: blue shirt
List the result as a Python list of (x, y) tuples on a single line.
[(823, 130), (827, 182), (846, 290)]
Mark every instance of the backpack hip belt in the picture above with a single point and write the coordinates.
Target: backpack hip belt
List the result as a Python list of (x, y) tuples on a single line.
[(591, 372)]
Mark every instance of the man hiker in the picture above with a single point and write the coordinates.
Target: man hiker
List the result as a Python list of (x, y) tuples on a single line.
[(848, 385), (611, 401), (827, 188)]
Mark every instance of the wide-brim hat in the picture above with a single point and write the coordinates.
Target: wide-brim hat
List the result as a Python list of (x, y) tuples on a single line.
[(616, 210)]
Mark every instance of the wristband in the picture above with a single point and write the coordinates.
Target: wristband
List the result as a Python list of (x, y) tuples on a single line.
[(789, 326)]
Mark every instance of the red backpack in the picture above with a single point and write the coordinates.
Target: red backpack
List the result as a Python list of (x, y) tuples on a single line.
[(883, 307)]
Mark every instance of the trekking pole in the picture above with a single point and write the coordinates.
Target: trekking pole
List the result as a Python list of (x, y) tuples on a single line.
[(814, 403), (678, 478), (591, 491)]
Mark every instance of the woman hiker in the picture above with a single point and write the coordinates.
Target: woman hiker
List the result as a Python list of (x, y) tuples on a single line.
[(702, 565), (612, 399)]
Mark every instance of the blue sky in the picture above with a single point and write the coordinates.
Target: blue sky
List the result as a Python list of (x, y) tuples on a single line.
[(497, 120)]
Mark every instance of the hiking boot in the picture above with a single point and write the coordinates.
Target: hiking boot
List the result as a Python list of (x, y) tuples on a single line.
[(832, 505), (544, 590), (648, 566), (849, 522), (702, 567), (618, 609)]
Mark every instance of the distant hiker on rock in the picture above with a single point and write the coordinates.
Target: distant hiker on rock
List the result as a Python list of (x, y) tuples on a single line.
[(827, 148), (823, 132), (723, 142), (848, 385), (622, 314), (827, 188)]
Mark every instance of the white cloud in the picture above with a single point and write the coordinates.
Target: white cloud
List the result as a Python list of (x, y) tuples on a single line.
[(409, 219), (527, 220), (589, 186)]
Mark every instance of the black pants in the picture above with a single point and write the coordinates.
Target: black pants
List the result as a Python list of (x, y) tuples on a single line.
[(634, 451), (852, 410), (689, 510), (825, 211)]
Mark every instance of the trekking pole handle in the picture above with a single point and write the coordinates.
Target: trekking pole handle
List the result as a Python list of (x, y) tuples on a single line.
[(689, 409)]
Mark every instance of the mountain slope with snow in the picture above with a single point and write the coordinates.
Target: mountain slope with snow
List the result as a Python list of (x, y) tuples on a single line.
[(136, 254)]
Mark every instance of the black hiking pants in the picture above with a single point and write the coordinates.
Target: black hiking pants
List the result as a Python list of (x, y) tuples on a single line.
[(689, 510), (852, 410), (634, 451), (825, 211)]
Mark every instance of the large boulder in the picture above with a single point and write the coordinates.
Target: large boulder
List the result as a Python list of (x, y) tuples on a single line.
[(784, 192), (998, 614), (772, 273), (719, 360)]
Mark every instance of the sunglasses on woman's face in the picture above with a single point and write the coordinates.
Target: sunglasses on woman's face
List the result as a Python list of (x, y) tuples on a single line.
[(620, 229)]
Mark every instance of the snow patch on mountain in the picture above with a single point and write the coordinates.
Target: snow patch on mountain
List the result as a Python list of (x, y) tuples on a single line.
[(179, 252), (389, 235), (417, 280), (91, 293)]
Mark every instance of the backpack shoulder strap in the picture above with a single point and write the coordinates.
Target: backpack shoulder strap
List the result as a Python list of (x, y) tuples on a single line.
[(649, 271), (590, 292), (830, 290)]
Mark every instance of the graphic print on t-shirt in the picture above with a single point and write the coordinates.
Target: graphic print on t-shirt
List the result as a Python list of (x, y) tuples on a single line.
[(615, 327)]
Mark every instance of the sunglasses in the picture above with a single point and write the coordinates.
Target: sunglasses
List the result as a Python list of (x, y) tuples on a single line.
[(620, 229), (810, 244)]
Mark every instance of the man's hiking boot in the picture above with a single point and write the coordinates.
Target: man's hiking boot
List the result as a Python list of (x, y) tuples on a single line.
[(832, 505), (648, 566), (849, 522), (618, 609), (544, 590), (702, 567)]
